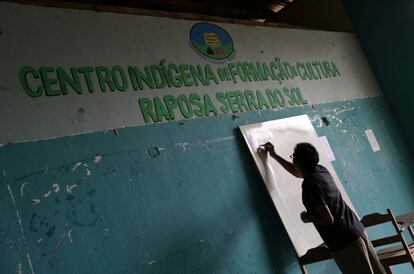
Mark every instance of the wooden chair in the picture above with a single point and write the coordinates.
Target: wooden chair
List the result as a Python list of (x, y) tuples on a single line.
[(314, 255), (401, 251), (406, 221)]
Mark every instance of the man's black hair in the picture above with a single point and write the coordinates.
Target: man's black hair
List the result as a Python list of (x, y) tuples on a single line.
[(306, 155)]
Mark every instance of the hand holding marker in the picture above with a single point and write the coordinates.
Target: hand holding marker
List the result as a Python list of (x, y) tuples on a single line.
[(268, 147)]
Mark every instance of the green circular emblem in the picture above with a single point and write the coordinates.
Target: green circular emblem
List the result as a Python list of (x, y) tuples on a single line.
[(211, 41)]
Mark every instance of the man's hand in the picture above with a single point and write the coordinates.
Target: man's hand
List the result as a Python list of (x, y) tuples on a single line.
[(269, 147), (304, 216), (321, 215)]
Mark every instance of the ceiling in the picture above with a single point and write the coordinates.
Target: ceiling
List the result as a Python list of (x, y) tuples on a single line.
[(311, 14)]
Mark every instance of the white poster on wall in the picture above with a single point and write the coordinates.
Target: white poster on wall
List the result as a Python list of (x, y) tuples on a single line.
[(284, 189), (372, 140), (326, 148)]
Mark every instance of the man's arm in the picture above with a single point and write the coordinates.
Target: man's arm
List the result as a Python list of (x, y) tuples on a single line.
[(285, 164), (321, 215)]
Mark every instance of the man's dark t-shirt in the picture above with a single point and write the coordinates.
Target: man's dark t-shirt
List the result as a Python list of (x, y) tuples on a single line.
[(318, 188)]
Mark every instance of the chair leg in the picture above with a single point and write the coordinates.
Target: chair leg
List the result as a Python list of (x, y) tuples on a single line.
[(303, 269), (388, 269)]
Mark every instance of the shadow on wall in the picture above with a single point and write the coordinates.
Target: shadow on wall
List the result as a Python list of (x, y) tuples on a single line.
[(278, 247)]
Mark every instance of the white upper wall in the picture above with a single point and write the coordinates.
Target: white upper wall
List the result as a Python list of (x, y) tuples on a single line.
[(38, 37)]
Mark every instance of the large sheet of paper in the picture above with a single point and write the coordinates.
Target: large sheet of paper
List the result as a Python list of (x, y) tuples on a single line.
[(285, 189)]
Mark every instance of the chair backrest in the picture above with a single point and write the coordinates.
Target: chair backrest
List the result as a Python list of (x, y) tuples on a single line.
[(376, 219), (406, 221)]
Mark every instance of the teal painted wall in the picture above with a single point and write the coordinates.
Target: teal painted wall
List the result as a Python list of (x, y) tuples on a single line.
[(198, 207), (385, 30)]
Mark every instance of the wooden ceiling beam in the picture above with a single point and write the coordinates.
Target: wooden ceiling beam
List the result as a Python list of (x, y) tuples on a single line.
[(227, 8), (146, 12)]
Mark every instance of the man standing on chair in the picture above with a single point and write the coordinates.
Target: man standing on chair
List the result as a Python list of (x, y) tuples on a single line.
[(337, 224)]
